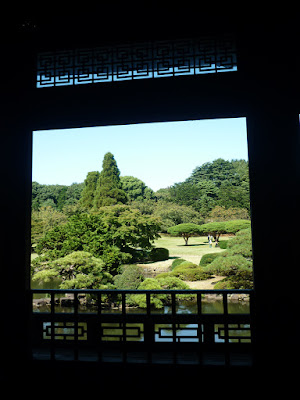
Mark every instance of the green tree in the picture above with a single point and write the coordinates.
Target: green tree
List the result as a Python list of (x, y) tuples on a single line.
[(130, 279), (217, 183), (109, 234), (73, 194), (220, 213), (127, 227), (89, 189), (77, 270), (216, 172), (55, 196), (237, 225), (201, 195), (185, 230), (174, 214), (136, 189), (215, 229), (235, 263), (234, 196), (43, 221), (109, 188)]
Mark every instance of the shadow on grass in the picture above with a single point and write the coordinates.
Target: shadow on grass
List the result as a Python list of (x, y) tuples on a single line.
[(191, 245)]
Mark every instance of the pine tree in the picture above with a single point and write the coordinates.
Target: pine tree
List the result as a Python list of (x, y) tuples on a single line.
[(109, 188), (88, 193)]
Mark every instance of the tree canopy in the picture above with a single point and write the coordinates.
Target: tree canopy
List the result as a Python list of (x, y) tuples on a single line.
[(55, 196), (115, 219), (77, 270), (89, 189), (109, 188), (217, 228), (109, 234), (185, 230), (135, 189), (217, 183)]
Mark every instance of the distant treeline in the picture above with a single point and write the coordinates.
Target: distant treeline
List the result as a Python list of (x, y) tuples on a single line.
[(213, 187), (55, 196)]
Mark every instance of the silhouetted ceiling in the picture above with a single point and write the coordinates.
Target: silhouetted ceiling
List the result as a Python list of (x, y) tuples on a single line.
[(120, 21)]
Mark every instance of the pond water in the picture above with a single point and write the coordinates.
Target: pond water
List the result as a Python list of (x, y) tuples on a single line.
[(164, 332)]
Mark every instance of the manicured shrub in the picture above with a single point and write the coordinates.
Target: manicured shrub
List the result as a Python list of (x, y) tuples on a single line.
[(229, 265), (174, 283), (188, 271), (171, 282), (235, 263), (163, 275), (224, 284), (243, 249), (138, 255), (159, 254), (208, 258), (159, 300), (156, 300), (177, 262), (185, 264), (242, 279), (130, 279), (223, 244)]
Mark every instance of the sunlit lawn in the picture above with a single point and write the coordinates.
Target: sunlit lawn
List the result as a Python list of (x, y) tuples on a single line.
[(197, 246)]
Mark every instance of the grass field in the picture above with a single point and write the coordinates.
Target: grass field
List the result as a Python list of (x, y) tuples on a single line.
[(198, 246)]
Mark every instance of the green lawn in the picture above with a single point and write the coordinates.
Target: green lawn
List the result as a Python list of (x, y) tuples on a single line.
[(198, 246)]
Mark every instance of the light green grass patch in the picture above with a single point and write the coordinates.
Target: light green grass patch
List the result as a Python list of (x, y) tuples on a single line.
[(198, 246)]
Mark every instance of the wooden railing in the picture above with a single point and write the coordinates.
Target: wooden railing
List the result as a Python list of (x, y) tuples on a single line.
[(98, 325)]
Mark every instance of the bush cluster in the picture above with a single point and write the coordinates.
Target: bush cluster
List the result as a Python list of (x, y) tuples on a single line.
[(159, 254), (130, 278), (159, 300), (235, 263), (208, 258), (186, 271)]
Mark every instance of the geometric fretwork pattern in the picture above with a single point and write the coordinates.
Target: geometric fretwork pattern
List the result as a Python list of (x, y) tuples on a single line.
[(236, 333), (140, 61), (65, 331), (179, 333), (120, 331)]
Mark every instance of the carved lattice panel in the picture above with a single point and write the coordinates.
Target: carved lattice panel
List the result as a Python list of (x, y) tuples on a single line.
[(65, 330), (118, 331), (139, 61), (178, 333), (235, 333)]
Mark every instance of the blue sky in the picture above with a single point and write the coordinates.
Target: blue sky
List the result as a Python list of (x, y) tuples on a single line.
[(160, 154)]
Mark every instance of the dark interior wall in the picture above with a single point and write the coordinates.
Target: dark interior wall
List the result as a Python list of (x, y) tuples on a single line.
[(266, 92)]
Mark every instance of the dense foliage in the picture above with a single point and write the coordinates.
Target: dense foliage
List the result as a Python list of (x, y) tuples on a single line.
[(108, 234), (135, 189), (55, 196), (217, 183), (158, 283), (235, 263), (77, 270), (109, 189), (217, 228), (185, 230), (85, 232)]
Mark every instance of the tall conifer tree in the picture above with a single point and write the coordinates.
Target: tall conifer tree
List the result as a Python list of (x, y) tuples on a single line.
[(109, 188), (88, 193)]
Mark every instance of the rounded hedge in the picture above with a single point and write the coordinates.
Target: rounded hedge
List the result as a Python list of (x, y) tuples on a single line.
[(223, 244), (159, 254), (187, 271), (177, 262), (208, 258)]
